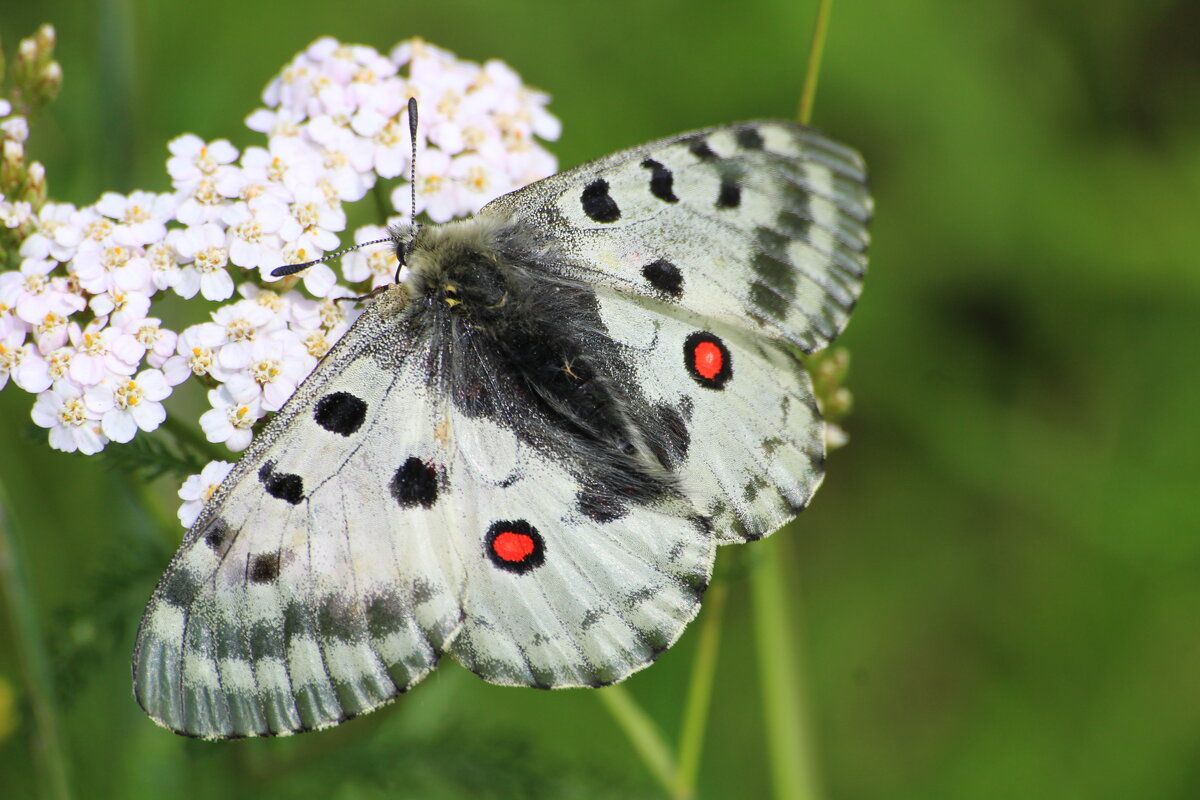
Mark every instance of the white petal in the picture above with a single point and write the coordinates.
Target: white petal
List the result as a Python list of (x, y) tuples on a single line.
[(118, 425), (149, 416)]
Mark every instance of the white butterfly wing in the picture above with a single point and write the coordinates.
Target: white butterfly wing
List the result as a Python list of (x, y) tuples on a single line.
[(759, 225), (754, 233), (602, 596), (753, 449), (290, 605)]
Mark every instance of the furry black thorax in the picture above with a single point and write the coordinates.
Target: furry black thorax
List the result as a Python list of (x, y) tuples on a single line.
[(513, 339)]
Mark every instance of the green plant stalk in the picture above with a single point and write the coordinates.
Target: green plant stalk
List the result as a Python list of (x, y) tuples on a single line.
[(31, 653), (641, 731), (186, 435), (785, 713), (151, 503), (813, 71), (704, 670)]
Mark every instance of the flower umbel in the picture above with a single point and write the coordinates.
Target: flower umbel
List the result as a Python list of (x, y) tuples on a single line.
[(75, 314)]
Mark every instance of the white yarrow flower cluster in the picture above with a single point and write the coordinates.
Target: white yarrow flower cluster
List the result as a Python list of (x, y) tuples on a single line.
[(75, 315)]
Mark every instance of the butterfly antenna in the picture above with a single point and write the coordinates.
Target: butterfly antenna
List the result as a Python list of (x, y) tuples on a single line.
[(396, 236), (292, 269), (412, 164)]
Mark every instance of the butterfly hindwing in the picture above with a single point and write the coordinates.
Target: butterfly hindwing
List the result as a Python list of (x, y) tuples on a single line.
[(751, 440), (565, 589)]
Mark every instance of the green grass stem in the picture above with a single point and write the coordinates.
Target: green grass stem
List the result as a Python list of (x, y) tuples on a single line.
[(48, 757), (704, 670), (785, 713), (641, 731)]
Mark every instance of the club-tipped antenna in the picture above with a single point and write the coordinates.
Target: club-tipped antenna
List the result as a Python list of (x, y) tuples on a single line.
[(412, 164), (292, 269)]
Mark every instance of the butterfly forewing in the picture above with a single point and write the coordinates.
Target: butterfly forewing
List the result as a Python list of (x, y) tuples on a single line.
[(760, 225), (291, 605)]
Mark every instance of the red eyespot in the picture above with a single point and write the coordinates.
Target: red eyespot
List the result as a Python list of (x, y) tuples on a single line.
[(512, 546), (515, 546), (707, 360)]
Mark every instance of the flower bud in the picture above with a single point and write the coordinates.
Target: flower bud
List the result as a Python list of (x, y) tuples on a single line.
[(15, 128), (25, 64), (35, 185), (12, 163), (49, 82), (45, 38)]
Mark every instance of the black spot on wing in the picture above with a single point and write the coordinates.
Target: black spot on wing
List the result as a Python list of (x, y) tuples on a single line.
[(340, 412), (386, 614), (769, 299), (779, 275), (415, 483), (749, 139), (340, 618), (664, 276), (730, 195), (793, 225), (598, 204), (180, 588), (216, 535), (266, 640), (700, 149), (661, 181), (264, 567), (281, 485)]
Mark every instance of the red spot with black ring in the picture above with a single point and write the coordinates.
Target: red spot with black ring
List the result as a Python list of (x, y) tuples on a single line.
[(707, 360), (515, 546)]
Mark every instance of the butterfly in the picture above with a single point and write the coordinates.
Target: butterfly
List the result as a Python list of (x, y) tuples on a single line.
[(526, 452)]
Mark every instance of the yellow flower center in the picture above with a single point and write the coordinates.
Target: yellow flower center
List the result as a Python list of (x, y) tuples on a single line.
[(128, 394), (73, 411), (240, 417), (210, 259), (265, 371), (201, 360)]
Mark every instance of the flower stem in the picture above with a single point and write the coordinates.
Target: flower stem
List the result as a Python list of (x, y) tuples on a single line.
[(187, 436), (789, 741), (695, 715), (641, 731), (31, 653), (809, 93)]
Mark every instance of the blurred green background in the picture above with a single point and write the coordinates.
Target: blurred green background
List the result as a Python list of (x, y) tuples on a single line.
[(997, 592)]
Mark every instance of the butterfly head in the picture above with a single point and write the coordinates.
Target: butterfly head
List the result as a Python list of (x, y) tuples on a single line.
[(402, 236)]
